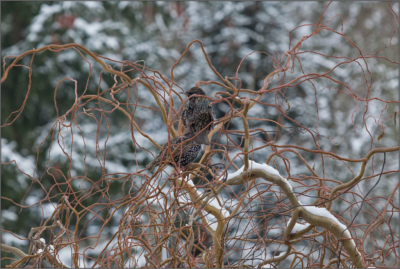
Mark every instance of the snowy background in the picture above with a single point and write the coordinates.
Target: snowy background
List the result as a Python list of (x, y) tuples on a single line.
[(158, 33)]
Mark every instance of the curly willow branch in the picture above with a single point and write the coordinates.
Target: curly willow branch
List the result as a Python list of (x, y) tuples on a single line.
[(162, 218)]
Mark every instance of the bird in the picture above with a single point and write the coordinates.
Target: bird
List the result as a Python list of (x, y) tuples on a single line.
[(185, 154), (197, 115)]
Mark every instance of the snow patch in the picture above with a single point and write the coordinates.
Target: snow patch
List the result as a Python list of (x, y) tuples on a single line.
[(8, 215), (211, 220), (25, 164), (280, 255), (298, 226), (10, 239), (254, 165), (325, 213), (238, 172)]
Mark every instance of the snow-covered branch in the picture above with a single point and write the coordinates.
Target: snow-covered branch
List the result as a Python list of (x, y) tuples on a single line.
[(313, 215)]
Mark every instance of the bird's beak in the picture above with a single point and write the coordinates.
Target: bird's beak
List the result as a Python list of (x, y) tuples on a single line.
[(183, 93)]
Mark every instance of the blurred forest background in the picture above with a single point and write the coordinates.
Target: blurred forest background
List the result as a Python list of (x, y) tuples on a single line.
[(158, 33)]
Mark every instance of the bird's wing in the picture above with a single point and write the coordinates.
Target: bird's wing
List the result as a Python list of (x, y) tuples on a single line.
[(190, 113), (159, 158), (183, 117), (181, 147), (165, 151)]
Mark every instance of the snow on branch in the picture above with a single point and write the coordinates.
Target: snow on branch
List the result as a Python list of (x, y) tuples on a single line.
[(262, 166), (323, 212), (298, 226), (209, 218), (313, 215)]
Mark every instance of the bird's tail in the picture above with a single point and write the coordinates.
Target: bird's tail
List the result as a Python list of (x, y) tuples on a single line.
[(153, 163)]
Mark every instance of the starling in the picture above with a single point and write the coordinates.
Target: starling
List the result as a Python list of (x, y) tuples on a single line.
[(189, 152), (197, 115)]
